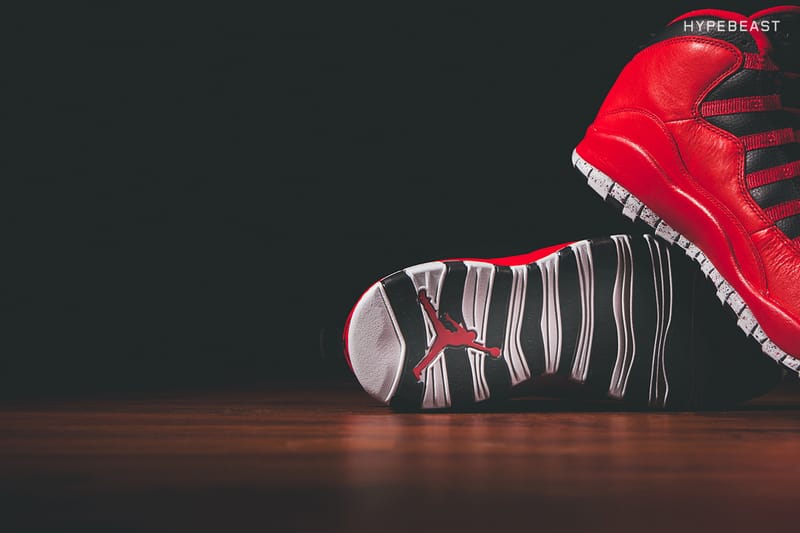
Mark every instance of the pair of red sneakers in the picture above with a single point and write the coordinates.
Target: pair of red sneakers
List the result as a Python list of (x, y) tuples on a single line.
[(698, 138)]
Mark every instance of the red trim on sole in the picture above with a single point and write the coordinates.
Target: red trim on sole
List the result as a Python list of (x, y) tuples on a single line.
[(345, 348), (516, 260)]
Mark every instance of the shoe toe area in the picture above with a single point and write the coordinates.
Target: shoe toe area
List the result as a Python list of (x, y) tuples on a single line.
[(374, 344)]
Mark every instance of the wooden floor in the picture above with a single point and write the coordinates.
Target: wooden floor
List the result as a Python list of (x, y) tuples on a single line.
[(329, 458)]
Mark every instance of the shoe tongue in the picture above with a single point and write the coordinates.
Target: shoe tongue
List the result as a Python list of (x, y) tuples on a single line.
[(782, 28)]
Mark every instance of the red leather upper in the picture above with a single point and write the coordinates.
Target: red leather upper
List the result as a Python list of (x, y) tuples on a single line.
[(670, 78), (651, 137)]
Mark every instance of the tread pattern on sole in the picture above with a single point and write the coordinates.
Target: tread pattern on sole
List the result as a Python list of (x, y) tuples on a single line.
[(583, 350), (620, 197), (514, 354), (551, 313), (494, 327), (475, 307), (623, 317), (662, 282)]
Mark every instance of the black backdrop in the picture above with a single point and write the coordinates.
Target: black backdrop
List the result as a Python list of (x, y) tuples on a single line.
[(198, 196)]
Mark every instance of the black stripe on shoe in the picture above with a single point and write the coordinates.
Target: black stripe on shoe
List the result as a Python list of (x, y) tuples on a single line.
[(746, 82), (680, 356), (790, 226), (569, 294), (773, 156), (741, 124), (496, 369), (776, 193), (531, 331), (790, 95)]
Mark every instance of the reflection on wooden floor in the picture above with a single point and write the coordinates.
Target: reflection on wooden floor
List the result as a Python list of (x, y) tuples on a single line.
[(328, 458)]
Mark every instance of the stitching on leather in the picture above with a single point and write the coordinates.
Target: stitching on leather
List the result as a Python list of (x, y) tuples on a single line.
[(741, 186), (708, 196)]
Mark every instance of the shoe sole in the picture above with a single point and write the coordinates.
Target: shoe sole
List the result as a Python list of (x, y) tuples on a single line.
[(634, 209), (613, 314)]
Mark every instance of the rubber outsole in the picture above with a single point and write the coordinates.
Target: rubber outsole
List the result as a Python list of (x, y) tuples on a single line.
[(634, 209), (616, 315)]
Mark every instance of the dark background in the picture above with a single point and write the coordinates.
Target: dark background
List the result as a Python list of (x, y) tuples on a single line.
[(196, 197)]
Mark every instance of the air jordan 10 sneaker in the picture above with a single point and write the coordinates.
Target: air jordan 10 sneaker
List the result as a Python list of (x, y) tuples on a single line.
[(625, 318), (694, 139)]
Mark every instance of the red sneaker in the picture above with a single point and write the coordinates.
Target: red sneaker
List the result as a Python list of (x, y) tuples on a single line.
[(694, 139), (617, 315)]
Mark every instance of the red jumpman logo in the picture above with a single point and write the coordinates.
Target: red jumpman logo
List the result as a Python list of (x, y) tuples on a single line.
[(449, 334)]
